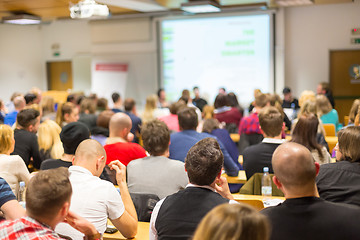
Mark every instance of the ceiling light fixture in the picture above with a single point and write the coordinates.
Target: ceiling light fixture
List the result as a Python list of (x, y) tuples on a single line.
[(200, 6), (22, 19), (288, 3)]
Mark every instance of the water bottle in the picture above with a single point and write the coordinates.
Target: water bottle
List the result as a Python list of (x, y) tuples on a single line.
[(21, 194), (266, 188)]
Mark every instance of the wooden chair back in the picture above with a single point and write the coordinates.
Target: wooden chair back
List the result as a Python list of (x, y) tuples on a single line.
[(256, 203), (329, 129)]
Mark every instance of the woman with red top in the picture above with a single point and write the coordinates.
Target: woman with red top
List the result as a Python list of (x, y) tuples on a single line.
[(224, 113)]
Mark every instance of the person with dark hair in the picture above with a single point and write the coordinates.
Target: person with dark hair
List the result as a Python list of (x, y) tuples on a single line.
[(258, 156), (101, 132), (118, 145), (130, 110), (47, 204), (117, 106), (97, 200), (19, 104), (26, 143), (182, 141), (177, 216), (156, 174), (162, 103), (235, 103), (71, 136), (198, 101), (225, 113), (308, 139), (289, 101), (71, 98), (324, 89), (87, 113), (101, 105), (172, 120), (303, 215), (338, 182), (30, 99)]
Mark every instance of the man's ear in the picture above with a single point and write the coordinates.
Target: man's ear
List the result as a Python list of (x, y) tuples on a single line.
[(317, 166), (66, 116), (64, 209), (277, 182), (99, 162)]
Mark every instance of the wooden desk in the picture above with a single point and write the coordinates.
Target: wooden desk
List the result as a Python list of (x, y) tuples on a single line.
[(142, 233), (252, 197), (235, 137), (240, 179)]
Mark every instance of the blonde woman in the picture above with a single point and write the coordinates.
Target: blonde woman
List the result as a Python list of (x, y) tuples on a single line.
[(67, 113), (327, 114), (49, 140), (151, 112), (12, 167), (233, 222), (48, 108)]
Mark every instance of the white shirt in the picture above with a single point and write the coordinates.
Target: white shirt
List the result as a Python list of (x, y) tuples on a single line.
[(273, 140), (152, 230), (93, 199)]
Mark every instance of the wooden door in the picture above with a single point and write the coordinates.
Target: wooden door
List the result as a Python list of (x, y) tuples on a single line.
[(59, 76), (343, 82)]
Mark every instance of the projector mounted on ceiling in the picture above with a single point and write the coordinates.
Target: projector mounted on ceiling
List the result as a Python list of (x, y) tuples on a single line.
[(88, 9), (200, 6)]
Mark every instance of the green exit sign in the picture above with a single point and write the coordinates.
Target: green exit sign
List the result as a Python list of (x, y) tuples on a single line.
[(355, 41)]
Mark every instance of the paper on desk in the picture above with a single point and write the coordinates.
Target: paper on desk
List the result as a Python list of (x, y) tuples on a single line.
[(272, 202)]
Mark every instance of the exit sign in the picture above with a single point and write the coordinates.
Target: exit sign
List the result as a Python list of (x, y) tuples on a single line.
[(355, 31), (355, 41)]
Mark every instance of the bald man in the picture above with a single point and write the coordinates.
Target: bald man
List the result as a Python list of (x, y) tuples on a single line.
[(118, 145), (97, 200), (303, 215)]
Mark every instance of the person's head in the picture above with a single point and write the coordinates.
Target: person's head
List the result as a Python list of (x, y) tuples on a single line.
[(305, 132), (48, 195), (233, 100), (14, 95), (188, 119), (30, 98), (49, 138), (348, 140), (176, 107), (323, 105), (323, 88), (72, 135), (90, 155), (222, 90), (151, 102), (38, 94), (221, 100), (71, 98), (48, 104), (103, 119), (102, 104), (196, 92), (87, 106), (308, 107), (67, 113), (204, 161), (354, 110), (116, 98), (28, 119), (7, 141), (294, 168), (120, 125), (19, 103), (287, 94), (129, 105), (210, 124), (208, 112), (233, 222), (261, 100), (271, 121), (306, 96), (161, 94), (156, 137)]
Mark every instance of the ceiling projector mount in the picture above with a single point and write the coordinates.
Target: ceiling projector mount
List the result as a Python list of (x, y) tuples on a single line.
[(88, 9)]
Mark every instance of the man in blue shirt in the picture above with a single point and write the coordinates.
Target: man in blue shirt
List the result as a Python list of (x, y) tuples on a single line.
[(19, 104)]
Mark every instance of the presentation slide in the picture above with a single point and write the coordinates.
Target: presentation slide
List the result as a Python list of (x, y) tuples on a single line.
[(233, 52)]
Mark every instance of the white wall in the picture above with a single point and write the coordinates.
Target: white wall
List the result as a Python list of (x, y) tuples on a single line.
[(21, 62), (311, 32)]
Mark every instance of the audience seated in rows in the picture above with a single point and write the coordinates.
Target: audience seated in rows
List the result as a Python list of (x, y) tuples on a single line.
[(181, 142), (177, 216), (102, 199), (12, 167), (239, 221), (305, 134), (118, 147), (47, 204), (258, 156), (71, 136), (249, 129), (26, 142), (338, 182), (156, 174), (304, 215)]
